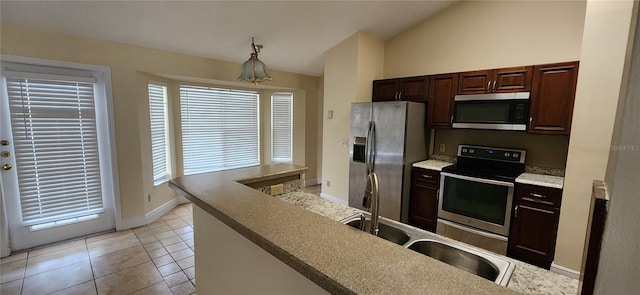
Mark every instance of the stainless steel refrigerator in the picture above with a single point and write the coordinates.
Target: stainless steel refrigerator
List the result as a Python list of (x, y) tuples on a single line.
[(386, 137)]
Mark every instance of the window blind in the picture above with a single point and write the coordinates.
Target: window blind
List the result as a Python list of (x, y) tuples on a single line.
[(159, 119), (220, 129), (56, 147), (281, 127)]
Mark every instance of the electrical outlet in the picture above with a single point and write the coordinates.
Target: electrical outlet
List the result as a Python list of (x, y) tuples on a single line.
[(328, 183), (149, 198), (443, 147), (277, 189)]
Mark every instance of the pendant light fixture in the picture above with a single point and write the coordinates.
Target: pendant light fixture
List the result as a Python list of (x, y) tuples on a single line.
[(253, 70)]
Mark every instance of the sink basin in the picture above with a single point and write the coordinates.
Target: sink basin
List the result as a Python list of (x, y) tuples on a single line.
[(477, 261), (386, 232), (456, 257)]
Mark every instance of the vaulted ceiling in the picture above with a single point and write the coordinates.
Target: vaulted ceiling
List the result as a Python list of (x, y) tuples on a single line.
[(295, 34)]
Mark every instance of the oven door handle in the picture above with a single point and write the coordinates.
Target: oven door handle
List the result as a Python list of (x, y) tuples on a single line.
[(476, 179)]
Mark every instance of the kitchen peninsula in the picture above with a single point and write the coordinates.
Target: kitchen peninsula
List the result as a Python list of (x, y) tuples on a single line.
[(247, 241)]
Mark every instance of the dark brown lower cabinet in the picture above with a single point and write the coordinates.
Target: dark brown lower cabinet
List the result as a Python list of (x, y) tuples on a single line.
[(423, 207), (534, 225)]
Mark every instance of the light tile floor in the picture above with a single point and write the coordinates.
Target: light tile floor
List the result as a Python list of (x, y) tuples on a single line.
[(154, 259)]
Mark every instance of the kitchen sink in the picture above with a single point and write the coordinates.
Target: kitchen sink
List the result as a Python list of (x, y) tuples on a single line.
[(483, 263), (386, 232), (462, 259)]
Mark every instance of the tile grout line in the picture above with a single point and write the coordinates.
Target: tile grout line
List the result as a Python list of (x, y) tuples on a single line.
[(93, 274)]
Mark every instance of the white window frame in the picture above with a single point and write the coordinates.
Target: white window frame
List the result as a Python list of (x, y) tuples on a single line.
[(278, 156), (165, 135), (208, 153)]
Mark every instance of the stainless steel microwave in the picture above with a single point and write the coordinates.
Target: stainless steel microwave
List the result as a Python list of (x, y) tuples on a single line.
[(497, 111)]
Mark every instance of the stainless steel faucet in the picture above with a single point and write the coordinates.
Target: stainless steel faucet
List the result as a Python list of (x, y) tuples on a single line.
[(371, 200)]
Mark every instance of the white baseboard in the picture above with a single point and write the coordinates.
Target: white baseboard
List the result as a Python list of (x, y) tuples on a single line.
[(334, 199), (312, 182), (565, 271), (161, 210)]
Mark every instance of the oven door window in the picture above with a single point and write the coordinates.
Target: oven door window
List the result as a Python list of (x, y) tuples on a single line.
[(487, 202)]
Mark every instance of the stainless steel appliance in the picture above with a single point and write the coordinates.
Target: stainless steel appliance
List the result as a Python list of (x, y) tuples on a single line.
[(476, 195), (386, 137), (498, 111)]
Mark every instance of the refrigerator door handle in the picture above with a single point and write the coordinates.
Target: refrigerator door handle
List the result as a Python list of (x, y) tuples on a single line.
[(366, 149), (372, 150)]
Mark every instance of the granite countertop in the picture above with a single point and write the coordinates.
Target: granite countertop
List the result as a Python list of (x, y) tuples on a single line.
[(541, 180), (333, 256), (432, 164), (526, 278)]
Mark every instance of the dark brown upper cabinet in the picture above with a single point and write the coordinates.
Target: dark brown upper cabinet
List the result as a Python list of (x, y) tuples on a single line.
[(401, 89), (496, 80), (552, 96), (442, 90)]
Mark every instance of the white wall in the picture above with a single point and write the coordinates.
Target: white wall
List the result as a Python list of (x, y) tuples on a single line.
[(618, 271)]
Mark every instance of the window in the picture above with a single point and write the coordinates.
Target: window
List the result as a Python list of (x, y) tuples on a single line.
[(281, 127), (220, 129), (159, 115), (55, 134)]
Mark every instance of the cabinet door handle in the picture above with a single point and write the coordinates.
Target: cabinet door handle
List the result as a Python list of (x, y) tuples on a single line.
[(427, 176), (489, 86), (494, 86), (400, 96), (530, 119), (515, 212), (451, 120), (537, 195)]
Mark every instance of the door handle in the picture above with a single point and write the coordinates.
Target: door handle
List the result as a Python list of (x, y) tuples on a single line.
[(6, 167), (489, 86), (530, 119), (515, 213), (494, 86)]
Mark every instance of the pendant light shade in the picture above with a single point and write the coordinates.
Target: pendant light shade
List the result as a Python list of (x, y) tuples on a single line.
[(253, 70)]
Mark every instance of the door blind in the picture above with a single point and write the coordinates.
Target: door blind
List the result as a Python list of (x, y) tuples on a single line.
[(56, 148), (158, 109), (281, 127), (220, 129)]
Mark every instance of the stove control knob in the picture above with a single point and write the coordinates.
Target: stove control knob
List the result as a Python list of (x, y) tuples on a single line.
[(516, 155), (507, 154), (471, 151), (464, 150)]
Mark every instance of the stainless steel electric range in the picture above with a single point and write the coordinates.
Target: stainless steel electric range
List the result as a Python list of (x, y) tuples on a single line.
[(476, 196)]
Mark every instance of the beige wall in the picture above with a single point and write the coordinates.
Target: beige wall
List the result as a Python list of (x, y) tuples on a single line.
[(349, 68), (474, 35), (602, 61), (542, 150), (129, 68), (622, 230)]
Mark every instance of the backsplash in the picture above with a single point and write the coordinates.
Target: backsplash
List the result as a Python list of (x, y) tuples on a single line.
[(549, 151)]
